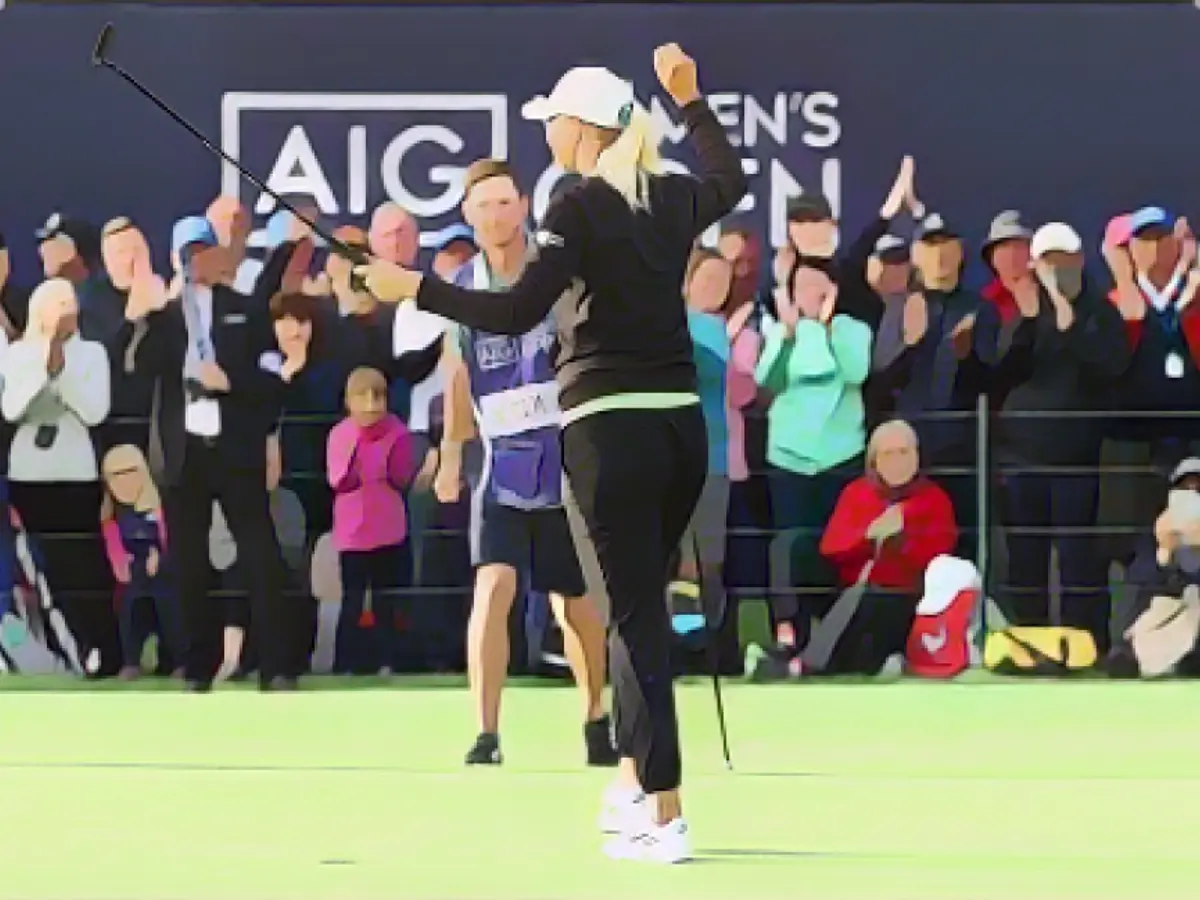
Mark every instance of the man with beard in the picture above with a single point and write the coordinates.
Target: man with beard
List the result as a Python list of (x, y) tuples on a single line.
[(518, 520), (1060, 354)]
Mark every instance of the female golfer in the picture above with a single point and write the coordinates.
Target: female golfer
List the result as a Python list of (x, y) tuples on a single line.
[(612, 253)]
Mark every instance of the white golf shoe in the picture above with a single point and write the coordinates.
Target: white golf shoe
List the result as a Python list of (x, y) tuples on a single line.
[(662, 844)]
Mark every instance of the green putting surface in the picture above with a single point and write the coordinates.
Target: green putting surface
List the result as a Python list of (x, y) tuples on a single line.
[(1032, 791)]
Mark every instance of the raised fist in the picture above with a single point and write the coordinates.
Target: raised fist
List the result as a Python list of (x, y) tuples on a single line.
[(677, 73)]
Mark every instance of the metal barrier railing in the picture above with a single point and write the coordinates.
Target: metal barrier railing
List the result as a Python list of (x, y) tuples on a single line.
[(987, 471)]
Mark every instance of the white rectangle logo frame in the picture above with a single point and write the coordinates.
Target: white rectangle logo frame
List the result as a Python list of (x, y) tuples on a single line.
[(234, 103)]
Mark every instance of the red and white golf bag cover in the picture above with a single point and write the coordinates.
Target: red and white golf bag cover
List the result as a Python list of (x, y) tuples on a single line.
[(940, 644)]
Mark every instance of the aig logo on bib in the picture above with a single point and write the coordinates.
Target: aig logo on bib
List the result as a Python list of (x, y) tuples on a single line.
[(351, 152)]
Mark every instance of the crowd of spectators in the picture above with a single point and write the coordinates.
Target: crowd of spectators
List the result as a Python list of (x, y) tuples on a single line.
[(1019, 422)]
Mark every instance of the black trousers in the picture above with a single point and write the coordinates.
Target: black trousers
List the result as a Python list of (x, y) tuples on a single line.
[(63, 518), (636, 476), (878, 630), (365, 647), (242, 493), (1041, 511), (804, 585)]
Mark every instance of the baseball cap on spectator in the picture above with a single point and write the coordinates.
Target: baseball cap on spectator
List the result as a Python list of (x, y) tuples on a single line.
[(591, 94), (891, 249), (934, 228), (1188, 468), (1006, 226), (82, 234), (452, 234), (1119, 230), (809, 208), (1055, 237), (192, 230), (1150, 221)]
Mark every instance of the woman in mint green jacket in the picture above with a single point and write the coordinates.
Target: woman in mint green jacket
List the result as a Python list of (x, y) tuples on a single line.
[(814, 362)]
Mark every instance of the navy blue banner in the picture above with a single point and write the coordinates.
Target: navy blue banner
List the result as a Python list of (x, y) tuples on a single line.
[(1072, 112)]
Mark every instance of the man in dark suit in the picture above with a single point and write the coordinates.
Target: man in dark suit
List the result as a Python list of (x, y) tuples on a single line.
[(220, 381)]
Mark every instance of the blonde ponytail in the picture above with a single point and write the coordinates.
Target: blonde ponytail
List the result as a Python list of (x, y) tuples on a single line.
[(627, 162)]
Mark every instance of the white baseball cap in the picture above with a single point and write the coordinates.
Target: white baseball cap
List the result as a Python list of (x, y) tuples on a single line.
[(592, 94), (1055, 237)]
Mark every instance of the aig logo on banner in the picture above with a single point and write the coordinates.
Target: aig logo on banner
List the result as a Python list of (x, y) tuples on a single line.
[(350, 152)]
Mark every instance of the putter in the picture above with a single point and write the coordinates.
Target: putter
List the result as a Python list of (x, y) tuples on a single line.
[(101, 59), (833, 624)]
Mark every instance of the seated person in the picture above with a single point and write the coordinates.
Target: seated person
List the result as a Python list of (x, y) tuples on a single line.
[(1165, 562), (886, 529)]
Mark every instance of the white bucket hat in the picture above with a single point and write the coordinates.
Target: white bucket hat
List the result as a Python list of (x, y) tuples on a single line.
[(592, 94)]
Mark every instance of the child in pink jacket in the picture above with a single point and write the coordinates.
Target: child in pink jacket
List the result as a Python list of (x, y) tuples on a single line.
[(370, 463)]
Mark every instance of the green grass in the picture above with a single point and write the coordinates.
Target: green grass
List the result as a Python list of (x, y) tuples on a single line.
[(1033, 791)]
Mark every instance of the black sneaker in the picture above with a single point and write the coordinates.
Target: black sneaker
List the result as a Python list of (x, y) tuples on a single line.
[(486, 751), (597, 736)]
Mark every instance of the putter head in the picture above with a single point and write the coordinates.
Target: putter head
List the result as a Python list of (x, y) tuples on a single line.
[(99, 52)]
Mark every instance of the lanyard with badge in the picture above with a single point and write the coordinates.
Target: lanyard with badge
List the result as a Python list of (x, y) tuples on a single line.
[(1174, 362), (1165, 302)]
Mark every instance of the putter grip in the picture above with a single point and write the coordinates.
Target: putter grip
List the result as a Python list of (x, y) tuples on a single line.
[(100, 51), (355, 257)]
